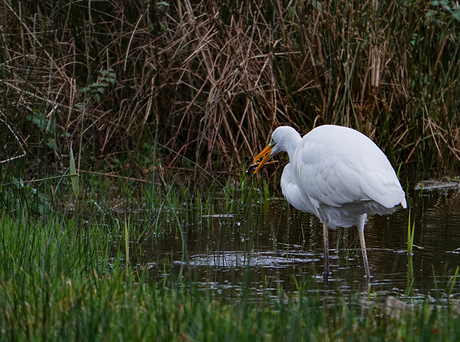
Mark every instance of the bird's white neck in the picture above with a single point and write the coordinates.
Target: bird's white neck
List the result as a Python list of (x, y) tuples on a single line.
[(287, 139)]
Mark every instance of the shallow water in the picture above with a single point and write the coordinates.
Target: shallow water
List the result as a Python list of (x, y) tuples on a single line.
[(274, 246)]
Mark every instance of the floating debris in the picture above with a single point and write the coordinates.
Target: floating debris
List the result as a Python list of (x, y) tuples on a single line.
[(394, 307), (455, 251), (430, 185), (237, 259), (220, 216)]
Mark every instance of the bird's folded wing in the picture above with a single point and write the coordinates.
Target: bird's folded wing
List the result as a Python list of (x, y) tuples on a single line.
[(339, 180)]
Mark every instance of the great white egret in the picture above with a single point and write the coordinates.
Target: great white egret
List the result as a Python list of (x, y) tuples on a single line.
[(337, 174)]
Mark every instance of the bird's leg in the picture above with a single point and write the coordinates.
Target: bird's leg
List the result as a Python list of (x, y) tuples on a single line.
[(361, 223), (326, 249)]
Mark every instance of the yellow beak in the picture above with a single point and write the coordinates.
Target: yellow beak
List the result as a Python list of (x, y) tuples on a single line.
[(265, 154)]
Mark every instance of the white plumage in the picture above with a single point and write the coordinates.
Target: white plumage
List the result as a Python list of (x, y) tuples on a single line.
[(337, 174)]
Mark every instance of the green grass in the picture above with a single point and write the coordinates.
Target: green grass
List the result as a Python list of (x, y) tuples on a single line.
[(64, 277), (59, 283)]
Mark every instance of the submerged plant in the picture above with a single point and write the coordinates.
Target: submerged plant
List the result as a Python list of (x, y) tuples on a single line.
[(410, 236)]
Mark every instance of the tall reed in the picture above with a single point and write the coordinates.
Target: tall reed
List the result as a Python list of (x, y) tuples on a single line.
[(211, 81)]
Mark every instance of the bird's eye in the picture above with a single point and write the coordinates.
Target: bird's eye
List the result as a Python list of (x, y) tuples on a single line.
[(272, 142)]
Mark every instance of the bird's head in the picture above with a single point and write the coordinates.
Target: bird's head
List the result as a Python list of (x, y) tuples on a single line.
[(282, 139)]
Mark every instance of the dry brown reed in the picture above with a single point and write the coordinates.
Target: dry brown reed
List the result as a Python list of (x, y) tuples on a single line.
[(211, 80)]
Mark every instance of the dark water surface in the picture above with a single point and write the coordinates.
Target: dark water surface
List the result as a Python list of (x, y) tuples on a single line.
[(272, 246)]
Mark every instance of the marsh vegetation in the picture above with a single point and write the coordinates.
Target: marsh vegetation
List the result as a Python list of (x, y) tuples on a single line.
[(140, 263), (120, 81), (126, 128)]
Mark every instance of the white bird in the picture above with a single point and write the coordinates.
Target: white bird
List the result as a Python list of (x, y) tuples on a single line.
[(337, 174)]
